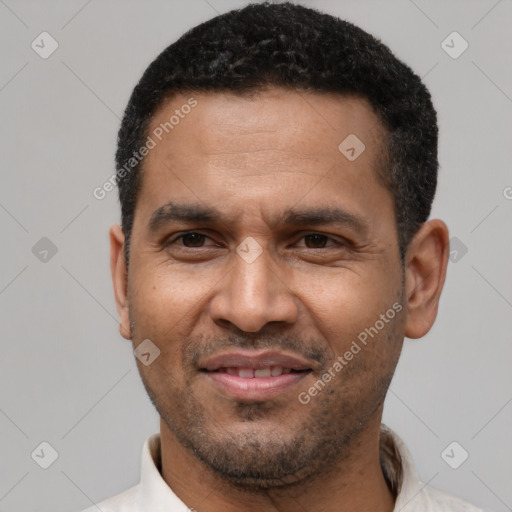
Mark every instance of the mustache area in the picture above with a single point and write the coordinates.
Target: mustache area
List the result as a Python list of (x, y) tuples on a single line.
[(197, 348)]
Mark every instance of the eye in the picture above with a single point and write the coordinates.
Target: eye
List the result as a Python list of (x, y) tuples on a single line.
[(317, 240), (191, 240), (196, 240)]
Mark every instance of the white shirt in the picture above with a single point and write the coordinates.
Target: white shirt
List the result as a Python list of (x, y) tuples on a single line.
[(153, 494)]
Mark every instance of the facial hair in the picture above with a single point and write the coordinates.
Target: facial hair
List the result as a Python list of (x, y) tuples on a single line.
[(330, 425)]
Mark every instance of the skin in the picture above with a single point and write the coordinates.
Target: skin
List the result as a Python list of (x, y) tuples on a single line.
[(252, 158)]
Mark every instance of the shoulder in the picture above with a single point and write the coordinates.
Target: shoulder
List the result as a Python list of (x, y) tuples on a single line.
[(123, 502), (439, 501), (414, 496)]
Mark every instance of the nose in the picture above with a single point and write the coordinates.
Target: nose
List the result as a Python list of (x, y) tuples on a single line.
[(253, 295)]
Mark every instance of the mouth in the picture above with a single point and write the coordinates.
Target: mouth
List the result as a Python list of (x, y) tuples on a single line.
[(253, 375)]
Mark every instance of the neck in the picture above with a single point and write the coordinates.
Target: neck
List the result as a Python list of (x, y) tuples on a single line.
[(355, 484)]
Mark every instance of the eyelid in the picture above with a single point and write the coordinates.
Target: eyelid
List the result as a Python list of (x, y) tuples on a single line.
[(337, 241), (177, 236)]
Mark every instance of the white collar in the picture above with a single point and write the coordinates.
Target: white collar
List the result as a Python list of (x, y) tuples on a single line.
[(155, 495)]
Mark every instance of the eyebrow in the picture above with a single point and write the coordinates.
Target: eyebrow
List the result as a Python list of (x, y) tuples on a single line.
[(314, 216)]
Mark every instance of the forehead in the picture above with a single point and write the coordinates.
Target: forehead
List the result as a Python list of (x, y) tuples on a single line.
[(242, 152), (253, 120)]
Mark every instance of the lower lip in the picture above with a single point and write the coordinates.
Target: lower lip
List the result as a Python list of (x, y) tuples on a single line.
[(258, 388)]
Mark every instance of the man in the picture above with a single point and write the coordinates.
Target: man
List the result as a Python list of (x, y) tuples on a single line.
[(276, 170)]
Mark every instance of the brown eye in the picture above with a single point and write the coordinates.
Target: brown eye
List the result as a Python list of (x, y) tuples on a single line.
[(189, 240), (316, 241), (193, 239)]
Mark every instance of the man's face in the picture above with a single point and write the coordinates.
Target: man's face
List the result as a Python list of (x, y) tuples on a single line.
[(251, 309)]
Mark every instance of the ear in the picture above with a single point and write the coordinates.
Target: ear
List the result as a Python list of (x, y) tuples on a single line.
[(426, 262), (120, 279)]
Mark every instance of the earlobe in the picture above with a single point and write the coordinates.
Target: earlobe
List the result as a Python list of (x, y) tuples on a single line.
[(426, 264), (120, 279)]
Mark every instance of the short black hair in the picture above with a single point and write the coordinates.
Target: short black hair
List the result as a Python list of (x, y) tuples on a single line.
[(301, 49)]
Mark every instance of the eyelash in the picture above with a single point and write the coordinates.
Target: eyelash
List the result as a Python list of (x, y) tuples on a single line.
[(182, 235)]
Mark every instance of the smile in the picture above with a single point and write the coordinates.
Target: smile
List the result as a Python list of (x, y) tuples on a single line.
[(255, 376), (249, 373)]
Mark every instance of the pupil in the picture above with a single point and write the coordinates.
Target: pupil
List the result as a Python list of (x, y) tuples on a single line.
[(193, 238), (317, 239)]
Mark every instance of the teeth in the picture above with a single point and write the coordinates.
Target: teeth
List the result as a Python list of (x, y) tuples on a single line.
[(249, 373), (276, 371), (262, 372)]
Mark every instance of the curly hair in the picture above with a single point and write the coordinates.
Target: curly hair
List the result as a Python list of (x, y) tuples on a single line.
[(301, 49)]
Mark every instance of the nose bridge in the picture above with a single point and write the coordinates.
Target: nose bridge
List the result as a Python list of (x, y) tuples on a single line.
[(252, 281), (253, 293)]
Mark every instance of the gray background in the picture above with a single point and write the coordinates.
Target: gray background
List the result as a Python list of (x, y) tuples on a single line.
[(68, 378)]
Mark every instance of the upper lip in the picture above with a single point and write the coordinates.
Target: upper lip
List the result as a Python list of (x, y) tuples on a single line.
[(255, 359)]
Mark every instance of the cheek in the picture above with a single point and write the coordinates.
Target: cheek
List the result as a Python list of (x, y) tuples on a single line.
[(166, 305), (163, 297), (344, 306)]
